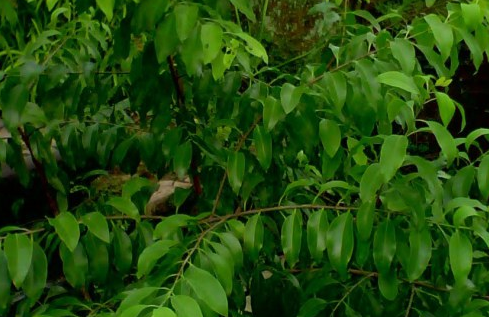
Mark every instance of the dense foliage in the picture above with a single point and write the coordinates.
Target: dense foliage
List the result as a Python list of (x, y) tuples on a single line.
[(332, 179)]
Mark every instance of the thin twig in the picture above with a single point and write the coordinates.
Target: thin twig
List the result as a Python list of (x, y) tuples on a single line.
[(348, 292), (410, 303)]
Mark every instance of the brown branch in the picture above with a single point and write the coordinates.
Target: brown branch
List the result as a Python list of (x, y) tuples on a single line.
[(53, 205), (177, 81)]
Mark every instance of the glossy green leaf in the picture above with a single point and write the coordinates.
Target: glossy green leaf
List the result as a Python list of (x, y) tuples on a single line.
[(272, 112), (317, 231), (472, 14), (420, 253), (166, 39), (75, 265), (443, 34), (151, 255), (236, 170), (98, 258), (253, 237), (97, 225), (122, 247), (463, 213), (388, 284), (253, 46), (245, 7), (446, 107), (483, 177), (186, 306), (312, 307), (365, 220), (336, 88), (403, 52), (460, 253), (290, 97), (211, 36), (398, 80), (291, 237), (392, 155), (36, 278), (372, 180), (133, 311), (14, 102), (477, 133), (5, 282), (232, 243), (330, 135), (135, 297), (163, 312), (126, 206), (182, 159), (18, 251), (263, 146), (134, 185), (223, 269), (462, 181), (208, 289), (339, 242), (445, 140), (107, 7), (170, 225), (186, 16), (384, 247)]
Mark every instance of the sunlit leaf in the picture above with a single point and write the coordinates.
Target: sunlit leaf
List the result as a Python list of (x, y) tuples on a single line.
[(403, 52), (97, 225), (124, 205), (398, 80), (211, 37), (163, 312), (446, 107), (186, 306), (290, 97), (443, 34), (185, 18), (107, 7)]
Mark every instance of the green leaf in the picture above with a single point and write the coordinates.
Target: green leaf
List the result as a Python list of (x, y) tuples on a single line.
[(330, 135), (51, 4), (336, 88), (223, 269), (182, 159), (263, 146), (135, 297), (186, 306), (403, 52), (244, 7), (463, 213), (122, 247), (232, 243), (446, 107), (317, 231), (365, 220), (483, 177), (151, 255), (392, 155), (13, 105), (291, 238), (211, 37), (443, 34), (192, 53), (134, 185), (290, 97), (253, 46), (460, 253), (67, 228), (208, 289), (166, 39), (98, 258), (126, 206), (388, 284), (472, 14), (384, 247), (236, 170), (186, 18), (429, 3), (398, 80), (253, 237), (445, 140), (462, 181), (18, 250), (5, 282), (97, 225), (107, 7), (339, 242), (36, 278), (163, 312), (312, 307), (420, 253), (372, 180), (75, 265), (272, 112), (133, 311)]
